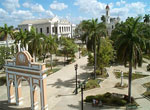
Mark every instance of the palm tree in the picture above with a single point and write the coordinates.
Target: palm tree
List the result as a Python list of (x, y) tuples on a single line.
[(92, 31), (129, 46), (5, 31), (35, 41), (103, 19), (146, 18), (51, 46), (21, 37)]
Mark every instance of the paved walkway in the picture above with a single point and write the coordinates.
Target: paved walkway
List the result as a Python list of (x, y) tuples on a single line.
[(60, 87)]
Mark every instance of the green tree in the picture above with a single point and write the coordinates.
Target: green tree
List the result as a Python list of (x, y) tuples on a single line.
[(146, 18), (5, 31), (92, 31), (51, 46), (21, 37), (35, 42), (129, 46), (103, 19), (4, 55), (104, 53), (69, 47)]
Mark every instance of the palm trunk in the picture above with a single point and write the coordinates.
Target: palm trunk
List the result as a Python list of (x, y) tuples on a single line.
[(130, 75), (95, 59), (130, 81), (51, 61)]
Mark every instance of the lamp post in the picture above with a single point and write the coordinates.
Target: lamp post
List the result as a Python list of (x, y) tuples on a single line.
[(79, 51), (76, 67), (121, 78), (82, 87)]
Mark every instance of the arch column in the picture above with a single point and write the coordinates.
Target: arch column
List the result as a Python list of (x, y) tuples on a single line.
[(43, 94), (19, 98), (35, 101), (10, 92)]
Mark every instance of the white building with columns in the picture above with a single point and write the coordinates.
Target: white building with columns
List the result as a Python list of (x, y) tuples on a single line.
[(49, 26), (110, 22)]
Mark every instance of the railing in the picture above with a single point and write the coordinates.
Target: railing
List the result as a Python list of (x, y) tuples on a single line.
[(9, 42)]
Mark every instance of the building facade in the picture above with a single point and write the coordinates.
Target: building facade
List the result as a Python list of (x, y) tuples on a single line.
[(52, 26), (110, 22)]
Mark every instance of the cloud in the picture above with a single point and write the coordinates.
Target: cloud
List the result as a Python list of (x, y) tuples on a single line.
[(120, 3), (128, 10), (11, 5), (34, 7), (91, 6), (22, 15), (58, 6), (96, 9)]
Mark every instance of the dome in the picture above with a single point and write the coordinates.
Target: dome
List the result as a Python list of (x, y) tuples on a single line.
[(107, 7)]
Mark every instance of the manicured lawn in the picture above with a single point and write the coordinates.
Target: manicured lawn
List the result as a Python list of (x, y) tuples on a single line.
[(125, 75), (110, 99)]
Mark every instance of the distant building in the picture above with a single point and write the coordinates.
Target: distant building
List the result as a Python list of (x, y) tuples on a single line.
[(110, 22), (50, 26)]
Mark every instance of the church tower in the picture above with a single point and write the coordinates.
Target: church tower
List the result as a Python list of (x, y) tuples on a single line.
[(107, 14)]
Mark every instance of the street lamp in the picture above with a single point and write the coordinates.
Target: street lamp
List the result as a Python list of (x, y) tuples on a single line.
[(82, 87), (121, 78), (79, 51), (76, 67)]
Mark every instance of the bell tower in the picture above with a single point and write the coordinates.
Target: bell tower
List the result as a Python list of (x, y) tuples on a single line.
[(107, 14)]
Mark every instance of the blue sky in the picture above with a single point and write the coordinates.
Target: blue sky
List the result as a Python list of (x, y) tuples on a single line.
[(13, 12)]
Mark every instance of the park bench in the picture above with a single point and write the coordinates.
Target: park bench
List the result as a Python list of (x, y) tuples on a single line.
[(131, 106)]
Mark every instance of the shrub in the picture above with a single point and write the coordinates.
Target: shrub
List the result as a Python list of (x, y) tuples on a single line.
[(118, 101), (89, 98), (84, 51), (91, 84), (107, 95)]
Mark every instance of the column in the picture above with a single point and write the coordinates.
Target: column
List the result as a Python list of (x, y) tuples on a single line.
[(10, 92), (35, 101), (31, 94), (43, 92), (19, 98)]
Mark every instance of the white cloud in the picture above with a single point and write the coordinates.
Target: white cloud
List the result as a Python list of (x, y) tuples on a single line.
[(120, 3), (95, 9), (58, 6), (34, 7), (91, 6), (21, 14), (11, 5)]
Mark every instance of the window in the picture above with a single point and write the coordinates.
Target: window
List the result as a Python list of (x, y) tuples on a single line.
[(36, 30), (69, 29), (53, 29), (40, 30), (60, 29), (112, 27), (64, 29), (25, 29), (47, 29)]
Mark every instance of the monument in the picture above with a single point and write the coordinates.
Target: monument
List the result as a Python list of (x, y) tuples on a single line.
[(23, 67)]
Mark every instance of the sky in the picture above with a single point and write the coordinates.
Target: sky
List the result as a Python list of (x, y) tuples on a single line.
[(13, 12)]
